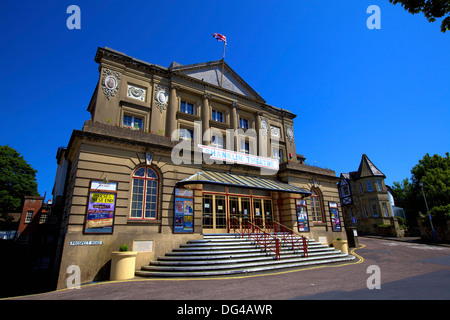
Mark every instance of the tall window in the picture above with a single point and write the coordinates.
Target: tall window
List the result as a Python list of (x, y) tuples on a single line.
[(373, 206), (277, 153), (144, 196), (369, 186), (385, 210), (217, 141), (187, 107), (217, 116), (316, 211), (245, 147), (378, 184), (243, 123)]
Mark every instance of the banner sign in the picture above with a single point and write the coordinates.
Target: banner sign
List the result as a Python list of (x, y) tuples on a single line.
[(101, 207), (334, 214), (239, 157), (184, 211), (302, 216)]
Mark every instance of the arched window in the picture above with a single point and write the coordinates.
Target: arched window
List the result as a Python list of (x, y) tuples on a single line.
[(144, 194), (316, 207)]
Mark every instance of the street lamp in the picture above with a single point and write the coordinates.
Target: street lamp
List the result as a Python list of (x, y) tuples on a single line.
[(429, 215)]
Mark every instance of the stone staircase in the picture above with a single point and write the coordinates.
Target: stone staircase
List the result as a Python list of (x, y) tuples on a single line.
[(230, 254)]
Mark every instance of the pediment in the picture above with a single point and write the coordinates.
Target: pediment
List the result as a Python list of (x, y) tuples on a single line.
[(211, 72)]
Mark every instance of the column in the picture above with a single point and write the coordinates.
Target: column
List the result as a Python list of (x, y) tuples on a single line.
[(205, 118), (172, 111), (234, 126)]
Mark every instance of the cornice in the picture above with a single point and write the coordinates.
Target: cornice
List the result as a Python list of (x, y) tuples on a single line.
[(131, 62)]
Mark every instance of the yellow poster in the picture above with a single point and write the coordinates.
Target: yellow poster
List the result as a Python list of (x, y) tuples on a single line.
[(102, 197)]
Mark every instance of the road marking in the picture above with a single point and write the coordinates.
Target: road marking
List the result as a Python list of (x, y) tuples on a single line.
[(414, 246)]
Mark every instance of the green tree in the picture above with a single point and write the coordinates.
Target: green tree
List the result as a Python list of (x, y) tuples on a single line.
[(17, 179), (434, 173), (432, 9)]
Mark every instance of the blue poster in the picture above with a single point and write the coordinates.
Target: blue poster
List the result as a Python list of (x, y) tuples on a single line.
[(184, 215)]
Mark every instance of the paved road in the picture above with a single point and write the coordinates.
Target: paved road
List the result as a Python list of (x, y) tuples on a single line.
[(407, 271)]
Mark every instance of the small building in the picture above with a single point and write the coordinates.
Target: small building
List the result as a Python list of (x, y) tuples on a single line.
[(30, 258), (366, 201), (173, 153)]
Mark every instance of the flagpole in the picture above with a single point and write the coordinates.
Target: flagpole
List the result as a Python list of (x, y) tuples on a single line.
[(223, 64)]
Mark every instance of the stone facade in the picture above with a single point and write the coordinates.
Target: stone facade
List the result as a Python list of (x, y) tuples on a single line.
[(135, 111), (365, 201)]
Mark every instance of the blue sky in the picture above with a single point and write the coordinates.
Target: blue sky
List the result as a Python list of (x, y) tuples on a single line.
[(380, 92)]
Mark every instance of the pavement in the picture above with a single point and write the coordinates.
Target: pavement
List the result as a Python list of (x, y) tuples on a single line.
[(405, 264)]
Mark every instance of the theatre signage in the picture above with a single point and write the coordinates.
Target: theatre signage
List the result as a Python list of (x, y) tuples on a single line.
[(101, 207), (239, 157)]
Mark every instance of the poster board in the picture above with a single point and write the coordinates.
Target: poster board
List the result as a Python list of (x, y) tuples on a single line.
[(334, 215), (302, 215), (101, 207), (183, 211)]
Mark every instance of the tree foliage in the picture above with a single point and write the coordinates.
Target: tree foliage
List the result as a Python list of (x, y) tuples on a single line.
[(17, 179), (434, 173), (432, 9)]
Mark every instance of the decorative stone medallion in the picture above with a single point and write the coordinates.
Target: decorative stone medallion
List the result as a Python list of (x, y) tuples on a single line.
[(110, 83), (289, 133), (136, 92), (264, 126), (161, 97)]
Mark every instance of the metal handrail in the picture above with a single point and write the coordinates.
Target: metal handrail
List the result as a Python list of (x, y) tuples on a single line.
[(288, 236), (269, 241)]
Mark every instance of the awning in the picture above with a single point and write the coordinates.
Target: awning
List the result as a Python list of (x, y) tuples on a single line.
[(239, 180)]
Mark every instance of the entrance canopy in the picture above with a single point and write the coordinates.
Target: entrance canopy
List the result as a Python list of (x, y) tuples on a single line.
[(239, 180)]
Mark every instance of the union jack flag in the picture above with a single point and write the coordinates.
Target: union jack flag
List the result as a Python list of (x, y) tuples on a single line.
[(220, 37)]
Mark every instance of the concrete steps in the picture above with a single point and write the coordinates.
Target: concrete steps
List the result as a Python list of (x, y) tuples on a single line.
[(229, 254)]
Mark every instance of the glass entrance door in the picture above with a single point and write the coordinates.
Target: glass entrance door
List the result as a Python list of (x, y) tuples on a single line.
[(214, 213), (222, 213), (262, 213)]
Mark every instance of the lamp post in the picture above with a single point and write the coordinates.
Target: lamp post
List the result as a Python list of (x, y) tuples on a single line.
[(429, 215)]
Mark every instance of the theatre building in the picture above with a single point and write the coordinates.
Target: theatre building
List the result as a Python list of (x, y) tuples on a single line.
[(173, 153)]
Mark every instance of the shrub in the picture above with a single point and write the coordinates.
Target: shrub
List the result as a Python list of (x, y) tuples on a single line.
[(123, 248)]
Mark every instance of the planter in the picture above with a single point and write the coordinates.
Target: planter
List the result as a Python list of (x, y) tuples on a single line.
[(123, 265), (341, 245)]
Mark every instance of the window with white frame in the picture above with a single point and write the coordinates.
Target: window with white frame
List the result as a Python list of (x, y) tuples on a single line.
[(133, 122), (29, 216), (365, 211), (43, 218)]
